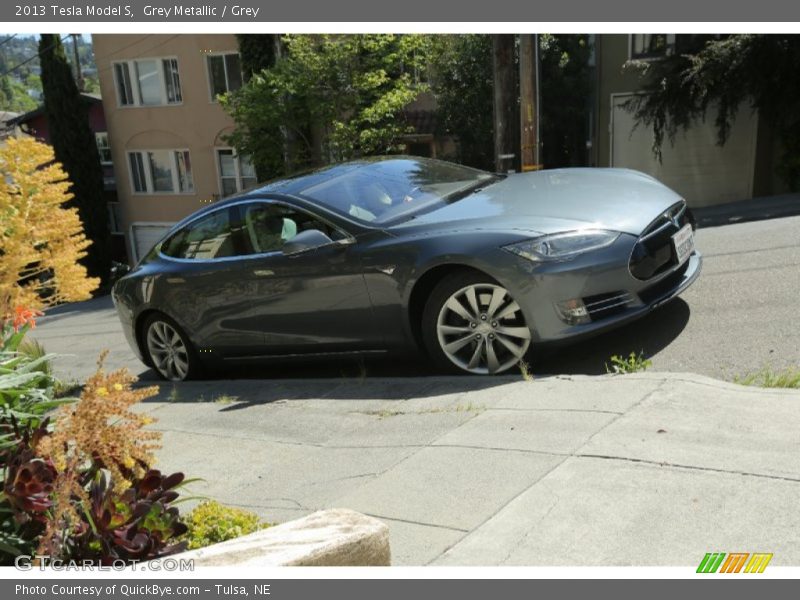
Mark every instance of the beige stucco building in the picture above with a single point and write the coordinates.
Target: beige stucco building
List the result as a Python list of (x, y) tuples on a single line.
[(696, 166), (166, 129)]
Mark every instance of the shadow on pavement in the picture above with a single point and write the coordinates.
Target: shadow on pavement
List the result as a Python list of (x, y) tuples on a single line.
[(56, 313), (648, 335), (399, 379)]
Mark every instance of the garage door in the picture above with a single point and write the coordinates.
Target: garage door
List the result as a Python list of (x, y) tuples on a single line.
[(145, 235), (695, 167)]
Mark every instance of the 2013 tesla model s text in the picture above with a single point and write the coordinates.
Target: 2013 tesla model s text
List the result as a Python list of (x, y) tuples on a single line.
[(403, 253)]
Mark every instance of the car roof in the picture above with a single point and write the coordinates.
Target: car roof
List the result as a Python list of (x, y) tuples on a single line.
[(293, 185)]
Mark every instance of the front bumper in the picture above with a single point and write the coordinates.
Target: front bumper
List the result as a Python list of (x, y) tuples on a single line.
[(616, 296)]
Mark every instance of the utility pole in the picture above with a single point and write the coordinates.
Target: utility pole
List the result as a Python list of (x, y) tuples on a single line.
[(78, 73), (505, 101), (529, 102)]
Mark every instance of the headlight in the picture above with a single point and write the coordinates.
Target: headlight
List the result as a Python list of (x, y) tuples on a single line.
[(563, 246)]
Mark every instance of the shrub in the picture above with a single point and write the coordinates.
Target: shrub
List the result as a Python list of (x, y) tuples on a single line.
[(210, 523), (40, 263), (77, 482)]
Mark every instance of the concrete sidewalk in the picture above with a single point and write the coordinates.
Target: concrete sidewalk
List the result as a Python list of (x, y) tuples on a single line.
[(645, 469)]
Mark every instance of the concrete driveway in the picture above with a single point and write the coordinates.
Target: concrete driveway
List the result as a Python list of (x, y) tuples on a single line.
[(649, 469)]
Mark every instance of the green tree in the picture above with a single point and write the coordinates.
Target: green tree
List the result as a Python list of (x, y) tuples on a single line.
[(76, 149), (14, 96), (256, 52), (339, 96), (461, 79), (462, 82), (566, 99), (719, 77)]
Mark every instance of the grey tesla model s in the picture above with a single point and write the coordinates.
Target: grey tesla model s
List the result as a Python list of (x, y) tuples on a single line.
[(403, 253)]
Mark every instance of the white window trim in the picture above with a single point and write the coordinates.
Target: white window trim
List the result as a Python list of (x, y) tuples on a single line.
[(135, 92), (671, 39), (236, 167), (148, 176), (213, 98), (108, 139), (119, 230)]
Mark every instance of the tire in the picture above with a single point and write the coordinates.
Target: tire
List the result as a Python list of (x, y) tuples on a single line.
[(169, 351), (472, 324)]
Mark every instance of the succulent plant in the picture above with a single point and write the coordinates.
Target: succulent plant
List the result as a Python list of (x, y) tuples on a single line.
[(136, 524)]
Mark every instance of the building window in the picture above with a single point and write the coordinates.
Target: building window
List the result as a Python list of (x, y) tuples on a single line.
[(643, 46), (114, 218), (122, 76), (224, 73), (236, 172), (103, 148), (161, 172), (148, 82)]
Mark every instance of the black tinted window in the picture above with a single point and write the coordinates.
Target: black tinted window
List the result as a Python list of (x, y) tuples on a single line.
[(211, 236), (267, 227)]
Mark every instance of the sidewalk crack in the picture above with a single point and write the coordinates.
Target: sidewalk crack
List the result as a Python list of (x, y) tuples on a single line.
[(671, 465)]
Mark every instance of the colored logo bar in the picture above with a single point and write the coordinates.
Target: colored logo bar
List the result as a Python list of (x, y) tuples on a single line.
[(734, 562)]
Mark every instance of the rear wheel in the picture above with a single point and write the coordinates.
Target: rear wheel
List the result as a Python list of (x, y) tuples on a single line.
[(471, 324), (169, 349)]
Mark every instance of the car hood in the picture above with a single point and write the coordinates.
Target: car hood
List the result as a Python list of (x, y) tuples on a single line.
[(555, 200)]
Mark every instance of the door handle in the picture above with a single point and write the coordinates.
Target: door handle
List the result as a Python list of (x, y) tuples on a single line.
[(263, 272)]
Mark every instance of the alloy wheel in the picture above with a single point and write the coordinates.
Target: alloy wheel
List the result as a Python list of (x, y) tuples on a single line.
[(168, 351), (481, 329)]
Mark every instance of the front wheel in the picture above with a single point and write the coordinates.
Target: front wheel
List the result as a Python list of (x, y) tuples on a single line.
[(170, 351), (472, 324)]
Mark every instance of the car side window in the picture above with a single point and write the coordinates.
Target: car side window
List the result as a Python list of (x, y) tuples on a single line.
[(268, 226), (209, 237)]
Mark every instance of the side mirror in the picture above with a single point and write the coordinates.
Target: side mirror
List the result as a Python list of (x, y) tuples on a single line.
[(305, 241), (119, 270)]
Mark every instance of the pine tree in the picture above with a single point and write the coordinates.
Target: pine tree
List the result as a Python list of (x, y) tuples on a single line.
[(76, 149)]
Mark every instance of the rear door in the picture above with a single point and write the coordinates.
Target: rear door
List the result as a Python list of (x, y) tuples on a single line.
[(205, 284)]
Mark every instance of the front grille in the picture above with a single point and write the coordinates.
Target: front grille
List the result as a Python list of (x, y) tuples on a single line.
[(603, 306), (653, 253), (663, 287)]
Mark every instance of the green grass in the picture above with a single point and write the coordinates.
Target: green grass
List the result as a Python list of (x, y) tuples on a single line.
[(226, 399), (768, 378), (525, 371), (34, 350), (634, 363)]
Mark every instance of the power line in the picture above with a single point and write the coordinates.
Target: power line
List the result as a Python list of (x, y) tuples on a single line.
[(8, 39), (34, 57), (149, 49)]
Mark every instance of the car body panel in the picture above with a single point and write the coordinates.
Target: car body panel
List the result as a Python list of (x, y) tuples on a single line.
[(357, 296)]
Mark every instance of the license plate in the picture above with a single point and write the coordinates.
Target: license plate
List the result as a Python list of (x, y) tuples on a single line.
[(683, 241)]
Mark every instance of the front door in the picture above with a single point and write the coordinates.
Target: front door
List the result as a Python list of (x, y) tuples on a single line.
[(313, 302)]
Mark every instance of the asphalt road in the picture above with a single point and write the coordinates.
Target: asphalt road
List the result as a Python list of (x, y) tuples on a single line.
[(739, 316)]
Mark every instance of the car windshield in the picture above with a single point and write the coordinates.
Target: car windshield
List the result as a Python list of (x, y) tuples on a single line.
[(396, 189)]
